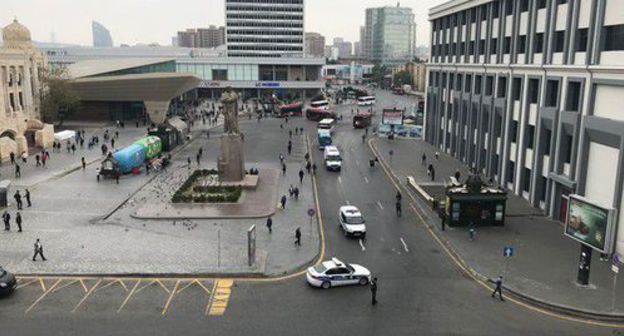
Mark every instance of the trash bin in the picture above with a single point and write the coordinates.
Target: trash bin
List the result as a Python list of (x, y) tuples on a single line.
[(4, 190)]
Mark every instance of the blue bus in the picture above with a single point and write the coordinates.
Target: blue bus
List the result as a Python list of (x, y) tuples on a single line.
[(324, 138)]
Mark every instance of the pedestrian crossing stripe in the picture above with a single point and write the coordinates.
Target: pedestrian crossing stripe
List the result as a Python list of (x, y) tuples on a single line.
[(220, 297)]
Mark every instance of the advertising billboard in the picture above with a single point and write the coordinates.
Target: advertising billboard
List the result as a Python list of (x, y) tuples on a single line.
[(392, 117), (590, 224)]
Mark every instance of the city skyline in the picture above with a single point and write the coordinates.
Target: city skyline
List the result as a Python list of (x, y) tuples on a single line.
[(195, 13)]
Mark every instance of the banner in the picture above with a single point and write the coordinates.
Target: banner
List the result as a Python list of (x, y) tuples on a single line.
[(590, 224), (392, 117)]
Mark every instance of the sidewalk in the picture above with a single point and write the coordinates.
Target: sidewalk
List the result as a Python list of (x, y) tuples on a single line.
[(544, 265)]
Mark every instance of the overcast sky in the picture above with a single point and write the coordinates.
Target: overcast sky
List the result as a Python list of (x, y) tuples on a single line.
[(145, 21)]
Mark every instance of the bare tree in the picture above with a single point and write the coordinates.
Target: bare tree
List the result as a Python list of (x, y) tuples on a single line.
[(58, 99)]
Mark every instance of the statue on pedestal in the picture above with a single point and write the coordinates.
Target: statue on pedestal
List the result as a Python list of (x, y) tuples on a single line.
[(231, 163)]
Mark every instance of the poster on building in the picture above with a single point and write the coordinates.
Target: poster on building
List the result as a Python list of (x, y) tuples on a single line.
[(590, 224), (392, 117)]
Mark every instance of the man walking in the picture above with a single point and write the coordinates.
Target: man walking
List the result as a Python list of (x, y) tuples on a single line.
[(283, 168), (18, 172), (84, 163), (12, 156), (289, 147), (6, 217), (269, 224), (18, 199), (298, 237), (424, 159), (373, 288), (499, 288), (18, 221), (301, 175), (27, 195), (283, 202), (38, 250)]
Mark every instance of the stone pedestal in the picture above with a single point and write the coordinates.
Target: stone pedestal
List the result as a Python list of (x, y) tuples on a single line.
[(231, 162)]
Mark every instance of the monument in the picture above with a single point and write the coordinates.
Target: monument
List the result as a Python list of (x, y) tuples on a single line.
[(231, 162)]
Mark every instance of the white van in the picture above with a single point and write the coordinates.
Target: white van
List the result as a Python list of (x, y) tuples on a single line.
[(332, 158), (366, 101), (327, 124)]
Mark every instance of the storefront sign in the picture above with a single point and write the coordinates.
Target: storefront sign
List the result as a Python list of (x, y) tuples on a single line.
[(267, 84), (209, 84), (392, 117), (590, 224)]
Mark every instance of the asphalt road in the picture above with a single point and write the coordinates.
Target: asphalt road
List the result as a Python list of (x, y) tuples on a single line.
[(421, 292)]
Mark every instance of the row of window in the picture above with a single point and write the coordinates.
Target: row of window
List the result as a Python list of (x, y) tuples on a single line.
[(266, 32), (264, 9), (266, 24), (258, 16), (263, 40), (282, 2), (267, 48)]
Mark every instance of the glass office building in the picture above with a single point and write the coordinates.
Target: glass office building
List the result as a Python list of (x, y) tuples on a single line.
[(390, 35)]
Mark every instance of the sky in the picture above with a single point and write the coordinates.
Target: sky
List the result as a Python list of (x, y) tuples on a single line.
[(146, 21)]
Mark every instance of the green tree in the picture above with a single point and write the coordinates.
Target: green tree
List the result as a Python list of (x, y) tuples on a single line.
[(403, 77), (58, 99), (379, 72)]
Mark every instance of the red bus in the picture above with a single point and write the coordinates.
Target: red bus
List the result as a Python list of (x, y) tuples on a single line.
[(362, 120), (295, 109), (318, 114), (320, 104)]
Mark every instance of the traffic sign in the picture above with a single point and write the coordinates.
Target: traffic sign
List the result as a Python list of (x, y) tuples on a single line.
[(311, 212), (508, 251)]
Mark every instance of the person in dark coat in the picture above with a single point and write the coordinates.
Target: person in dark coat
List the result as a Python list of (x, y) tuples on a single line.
[(283, 168), (6, 217), (27, 196), (38, 250), (18, 200), (301, 175), (12, 156), (283, 201), (373, 288), (18, 221), (18, 172), (499, 288), (269, 224), (298, 237), (289, 147)]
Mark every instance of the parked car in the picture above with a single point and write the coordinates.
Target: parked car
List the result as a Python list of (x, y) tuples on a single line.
[(8, 283)]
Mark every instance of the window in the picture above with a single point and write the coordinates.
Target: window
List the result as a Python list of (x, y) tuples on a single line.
[(558, 40), (538, 43), (493, 45), (526, 179), (483, 12), (580, 43), (521, 46), (509, 7), (511, 167), (507, 45), (473, 15), (574, 96), (458, 82), (524, 5), (561, 2), (477, 90), (542, 183), (517, 88), (219, 74), (541, 4), (482, 47), (547, 135), (21, 100), (489, 85), (462, 48), (495, 10), (471, 47), (529, 136), (12, 101), (501, 91), (513, 131), (567, 149), (614, 37), (552, 93), (468, 83), (533, 90)]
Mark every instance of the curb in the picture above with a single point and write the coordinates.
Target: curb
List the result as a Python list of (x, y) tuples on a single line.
[(525, 298)]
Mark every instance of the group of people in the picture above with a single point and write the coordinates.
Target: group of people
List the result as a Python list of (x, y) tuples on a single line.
[(6, 216)]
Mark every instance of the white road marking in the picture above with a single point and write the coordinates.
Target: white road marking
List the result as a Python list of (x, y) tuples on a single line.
[(362, 245), (379, 204), (339, 180), (357, 163), (365, 179), (404, 245)]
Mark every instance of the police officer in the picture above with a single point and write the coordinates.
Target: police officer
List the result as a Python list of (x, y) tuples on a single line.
[(499, 288), (373, 288)]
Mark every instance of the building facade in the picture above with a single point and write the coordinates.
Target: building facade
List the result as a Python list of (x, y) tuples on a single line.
[(210, 37), (314, 45), (345, 48), (528, 93), (101, 35), (390, 34), (264, 28), (20, 88)]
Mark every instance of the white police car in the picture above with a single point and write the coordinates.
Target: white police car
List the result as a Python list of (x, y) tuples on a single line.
[(336, 273), (351, 221)]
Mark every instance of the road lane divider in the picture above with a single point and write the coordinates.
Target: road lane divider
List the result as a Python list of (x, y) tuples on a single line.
[(48, 291), (380, 205), (220, 297), (362, 245), (404, 245)]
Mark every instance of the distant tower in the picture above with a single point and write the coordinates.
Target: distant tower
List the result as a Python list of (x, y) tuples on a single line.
[(101, 35)]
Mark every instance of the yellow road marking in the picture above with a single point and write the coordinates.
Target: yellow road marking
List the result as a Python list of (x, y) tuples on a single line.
[(32, 281), (114, 282), (87, 295), (214, 288), (123, 304), (65, 285), (221, 296), (485, 285), (42, 296), (173, 292), (195, 281), (84, 286), (43, 287)]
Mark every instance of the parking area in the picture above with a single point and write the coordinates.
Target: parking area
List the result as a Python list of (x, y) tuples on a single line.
[(111, 295)]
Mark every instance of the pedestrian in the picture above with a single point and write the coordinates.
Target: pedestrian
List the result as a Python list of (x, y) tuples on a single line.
[(314, 169), (116, 135), (38, 250), (24, 157), (499, 288), (27, 196), (269, 224), (429, 169), (471, 231), (398, 208), (301, 175), (308, 167), (6, 217), (12, 156), (283, 168), (373, 288), (198, 159), (296, 192), (117, 177), (201, 152), (18, 221), (291, 191), (84, 163), (147, 168), (432, 174), (437, 155), (18, 199), (283, 201), (290, 134), (298, 237), (188, 160), (73, 148), (296, 130), (457, 175), (44, 157), (301, 130), (281, 158), (424, 159), (307, 157), (289, 147), (112, 143), (37, 160)]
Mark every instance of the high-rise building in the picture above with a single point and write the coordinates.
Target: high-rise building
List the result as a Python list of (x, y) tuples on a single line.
[(357, 49), (390, 35), (345, 48), (314, 44), (264, 28), (364, 42), (201, 37), (529, 94), (101, 35)]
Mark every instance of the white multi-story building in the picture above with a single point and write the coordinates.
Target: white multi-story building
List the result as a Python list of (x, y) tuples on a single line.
[(264, 28), (529, 93)]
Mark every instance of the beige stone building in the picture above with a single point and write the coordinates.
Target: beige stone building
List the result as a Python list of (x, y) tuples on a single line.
[(20, 87)]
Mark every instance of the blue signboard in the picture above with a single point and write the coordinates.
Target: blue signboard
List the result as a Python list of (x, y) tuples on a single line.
[(267, 84), (508, 251)]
